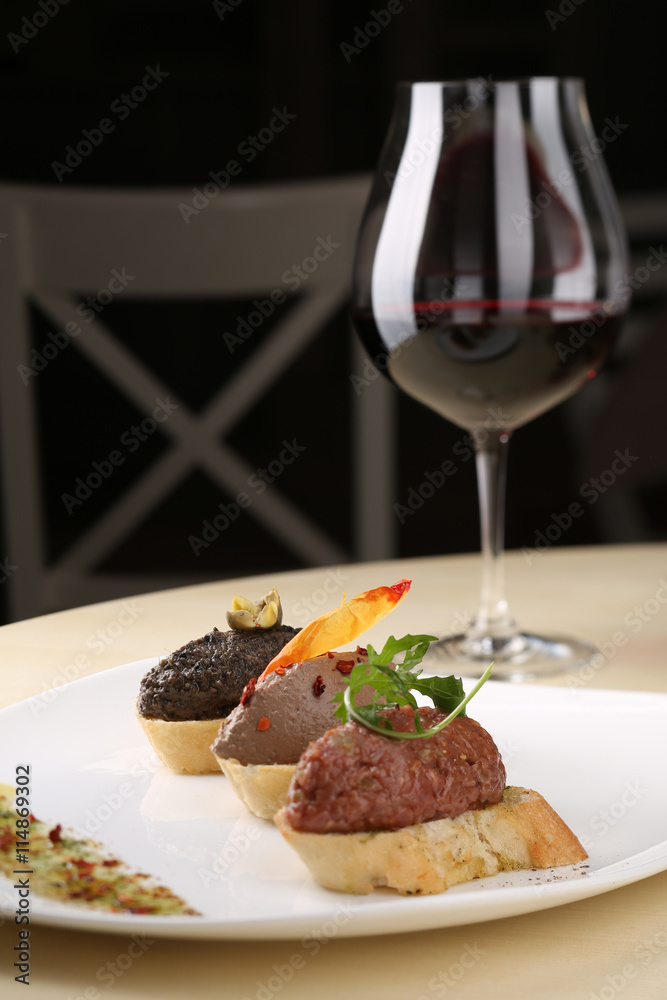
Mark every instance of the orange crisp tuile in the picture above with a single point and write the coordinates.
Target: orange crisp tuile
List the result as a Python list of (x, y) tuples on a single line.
[(340, 626)]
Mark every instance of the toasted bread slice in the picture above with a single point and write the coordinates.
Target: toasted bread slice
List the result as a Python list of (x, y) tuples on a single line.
[(261, 787), (522, 831), (183, 746)]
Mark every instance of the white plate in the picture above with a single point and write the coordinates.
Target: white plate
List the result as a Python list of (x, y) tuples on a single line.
[(597, 756)]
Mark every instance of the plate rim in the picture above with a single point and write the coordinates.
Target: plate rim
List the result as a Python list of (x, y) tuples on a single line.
[(422, 912)]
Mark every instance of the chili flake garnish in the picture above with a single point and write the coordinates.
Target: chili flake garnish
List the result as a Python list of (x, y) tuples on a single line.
[(264, 724), (331, 655), (318, 686), (362, 651), (54, 835), (345, 666), (280, 671), (248, 691), (85, 866)]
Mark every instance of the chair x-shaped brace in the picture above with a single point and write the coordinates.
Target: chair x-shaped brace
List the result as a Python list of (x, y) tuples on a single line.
[(196, 437)]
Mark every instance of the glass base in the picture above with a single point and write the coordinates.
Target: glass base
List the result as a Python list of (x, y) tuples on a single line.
[(519, 657)]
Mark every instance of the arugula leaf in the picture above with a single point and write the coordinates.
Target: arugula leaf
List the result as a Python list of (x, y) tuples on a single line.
[(394, 687)]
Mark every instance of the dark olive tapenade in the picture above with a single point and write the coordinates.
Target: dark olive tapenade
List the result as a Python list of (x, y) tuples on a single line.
[(205, 678)]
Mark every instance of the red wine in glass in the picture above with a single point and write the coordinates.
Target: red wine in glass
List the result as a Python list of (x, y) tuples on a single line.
[(501, 370), (488, 277)]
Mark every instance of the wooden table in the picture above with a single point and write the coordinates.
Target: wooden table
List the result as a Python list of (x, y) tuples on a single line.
[(609, 945)]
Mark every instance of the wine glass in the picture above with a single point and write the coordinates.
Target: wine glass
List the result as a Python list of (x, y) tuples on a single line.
[(489, 279)]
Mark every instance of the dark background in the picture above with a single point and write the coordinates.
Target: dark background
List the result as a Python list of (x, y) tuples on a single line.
[(227, 70)]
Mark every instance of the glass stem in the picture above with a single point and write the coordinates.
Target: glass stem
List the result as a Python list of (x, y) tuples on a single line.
[(493, 619)]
